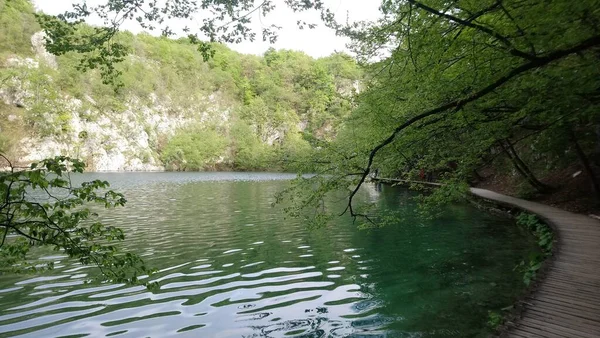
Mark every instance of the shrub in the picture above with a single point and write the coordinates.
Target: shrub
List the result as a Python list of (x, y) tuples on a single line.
[(194, 149)]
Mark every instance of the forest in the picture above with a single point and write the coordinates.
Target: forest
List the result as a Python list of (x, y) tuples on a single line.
[(240, 112)]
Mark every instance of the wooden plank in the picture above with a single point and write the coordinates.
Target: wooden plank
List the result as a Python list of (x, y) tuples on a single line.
[(521, 334), (536, 331), (569, 322), (564, 310), (567, 292), (559, 297), (558, 302), (563, 316), (567, 302), (577, 277), (557, 329), (571, 287)]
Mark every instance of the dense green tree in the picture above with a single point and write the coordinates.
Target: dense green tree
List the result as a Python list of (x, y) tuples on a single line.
[(460, 84), (466, 80), (248, 150), (194, 148)]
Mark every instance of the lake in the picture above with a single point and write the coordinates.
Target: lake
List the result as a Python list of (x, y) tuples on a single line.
[(231, 265)]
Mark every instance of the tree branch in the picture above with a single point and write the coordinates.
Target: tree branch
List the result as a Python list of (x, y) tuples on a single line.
[(12, 168), (505, 41), (458, 104)]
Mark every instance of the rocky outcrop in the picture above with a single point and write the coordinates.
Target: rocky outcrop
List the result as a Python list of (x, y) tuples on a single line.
[(107, 140), (52, 109), (38, 42), (112, 141)]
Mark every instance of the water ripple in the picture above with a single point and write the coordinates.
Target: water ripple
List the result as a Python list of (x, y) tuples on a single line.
[(232, 266)]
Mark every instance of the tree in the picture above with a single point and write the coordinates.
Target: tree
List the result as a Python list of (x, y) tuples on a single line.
[(465, 77), (229, 21), (41, 207), (194, 149), (461, 81)]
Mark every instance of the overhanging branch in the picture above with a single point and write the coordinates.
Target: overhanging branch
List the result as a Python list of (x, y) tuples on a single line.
[(458, 104), (468, 23)]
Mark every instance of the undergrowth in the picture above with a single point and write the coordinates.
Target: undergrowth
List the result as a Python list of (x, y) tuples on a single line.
[(545, 240), (529, 268)]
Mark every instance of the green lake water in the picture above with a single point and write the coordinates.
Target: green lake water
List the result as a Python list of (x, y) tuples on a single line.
[(231, 265)]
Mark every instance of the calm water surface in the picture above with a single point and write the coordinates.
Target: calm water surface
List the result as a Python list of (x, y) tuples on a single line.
[(233, 266)]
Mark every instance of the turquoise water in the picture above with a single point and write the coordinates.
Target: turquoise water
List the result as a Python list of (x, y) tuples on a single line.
[(233, 266)]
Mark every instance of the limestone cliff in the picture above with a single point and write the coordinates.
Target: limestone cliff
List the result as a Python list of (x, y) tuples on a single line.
[(172, 109)]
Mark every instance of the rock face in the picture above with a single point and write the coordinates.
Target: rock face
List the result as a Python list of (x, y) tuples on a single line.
[(38, 42), (111, 141), (106, 139)]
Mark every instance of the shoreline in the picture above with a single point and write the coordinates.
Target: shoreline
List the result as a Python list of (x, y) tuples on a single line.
[(562, 300), (511, 211)]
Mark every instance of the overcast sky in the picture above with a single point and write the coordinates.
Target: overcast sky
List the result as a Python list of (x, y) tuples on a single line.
[(316, 42)]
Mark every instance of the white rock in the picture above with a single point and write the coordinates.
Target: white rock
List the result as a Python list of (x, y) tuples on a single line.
[(22, 62), (38, 41), (111, 141)]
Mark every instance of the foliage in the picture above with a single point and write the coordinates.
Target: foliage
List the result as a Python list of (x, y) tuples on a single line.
[(268, 99), (94, 43), (460, 84), (495, 319), (248, 151), (545, 238), (230, 22), (194, 148), (16, 27), (41, 207), (452, 190)]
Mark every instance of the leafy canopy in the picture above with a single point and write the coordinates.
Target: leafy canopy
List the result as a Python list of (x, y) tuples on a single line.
[(221, 21), (461, 84), (41, 207)]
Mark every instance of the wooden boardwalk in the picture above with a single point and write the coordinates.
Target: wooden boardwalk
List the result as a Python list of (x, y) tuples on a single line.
[(566, 300)]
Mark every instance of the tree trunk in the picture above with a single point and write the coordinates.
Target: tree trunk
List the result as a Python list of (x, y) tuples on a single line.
[(587, 167), (522, 168)]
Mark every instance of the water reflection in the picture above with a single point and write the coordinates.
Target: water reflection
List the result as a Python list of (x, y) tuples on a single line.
[(232, 266)]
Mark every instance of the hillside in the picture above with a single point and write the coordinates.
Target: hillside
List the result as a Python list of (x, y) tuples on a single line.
[(171, 109)]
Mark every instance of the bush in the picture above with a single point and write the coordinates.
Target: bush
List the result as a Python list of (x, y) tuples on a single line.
[(194, 149), (247, 151), (545, 238), (17, 25)]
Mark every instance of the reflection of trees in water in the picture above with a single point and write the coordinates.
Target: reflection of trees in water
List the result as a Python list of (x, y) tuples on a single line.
[(319, 326)]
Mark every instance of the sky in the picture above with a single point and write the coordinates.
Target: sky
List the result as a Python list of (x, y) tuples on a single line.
[(317, 42)]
